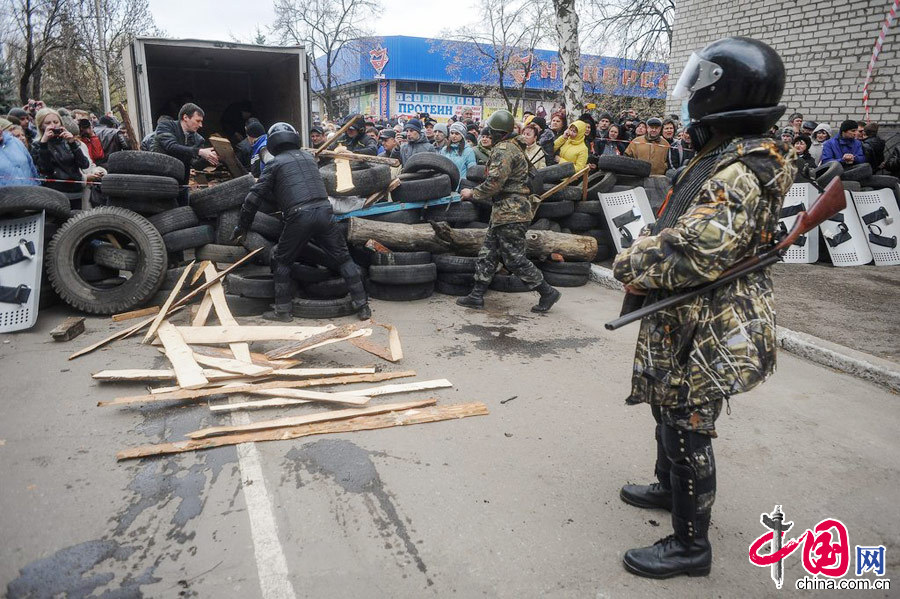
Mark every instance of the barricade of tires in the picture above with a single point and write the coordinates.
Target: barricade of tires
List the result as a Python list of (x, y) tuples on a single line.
[(401, 276)]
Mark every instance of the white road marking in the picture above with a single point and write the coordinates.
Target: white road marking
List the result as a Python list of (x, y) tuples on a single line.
[(271, 565)]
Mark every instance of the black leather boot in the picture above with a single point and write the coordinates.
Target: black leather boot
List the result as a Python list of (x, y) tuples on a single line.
[(655, 495), (549, 296), (279, 313), (364, 312), (475, 299)]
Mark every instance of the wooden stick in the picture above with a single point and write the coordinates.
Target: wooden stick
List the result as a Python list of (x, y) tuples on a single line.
[(245, 368), (237, 334), (160, 316), (309, 419), (584, 187), (331, 335), (203, 311), (358, 157), (564, 183), (360, 423), (299, 396), (241, 351), (200, 393), (404, 388), (137, 374), (187, 371), (336, 137), (149, 311), (256, 358), (133, 139)]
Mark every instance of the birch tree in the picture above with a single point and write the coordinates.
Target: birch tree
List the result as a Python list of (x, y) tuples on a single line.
[(569, 55), (636, 29)]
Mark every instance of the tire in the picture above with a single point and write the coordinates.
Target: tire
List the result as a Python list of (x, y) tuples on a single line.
[(554, 226), (451, 289), (268, 226), (826, 172), (630, 181), (252, 286), (457, 278), (327, 289), (476, 173), (425, 189), (246, 306), (581, 269), (21, 198), (365, 181), (94, 272), (304, 274), (604, 252), (115, 259), (433, 162), (579, 221), (624, 165), (416, 176), (453, 213), (225, 224), (589, 207), (323, 308), (403, 217), (602, 236), (555, 172), (160, 297), (450, 263), (401, 293), (602, 185), (618, 188), (215, 252), (476, 224), (69, 246), (858, 172), (404, 274), (176, 219), (210, 201), (253, 240), (881, 181), (508, 284), (171, 278), (185, 239), (144, 206), (400, 258), (852, 186), (129, 162), (555, 210), (561, 280), (541, 224), (150, 187), (571, 194)]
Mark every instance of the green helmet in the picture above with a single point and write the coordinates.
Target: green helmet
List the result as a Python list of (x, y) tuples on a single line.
[(502, 120)]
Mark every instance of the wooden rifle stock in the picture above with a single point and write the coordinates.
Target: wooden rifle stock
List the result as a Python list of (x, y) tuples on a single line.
[(829, 203)]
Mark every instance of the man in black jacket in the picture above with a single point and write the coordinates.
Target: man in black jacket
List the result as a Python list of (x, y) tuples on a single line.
[(356, 140), (292, 180), (180, 140)]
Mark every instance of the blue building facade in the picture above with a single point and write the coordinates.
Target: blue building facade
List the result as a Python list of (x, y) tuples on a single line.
[(400, 75)]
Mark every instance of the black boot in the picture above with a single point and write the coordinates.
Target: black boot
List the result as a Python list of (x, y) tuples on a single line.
[(475, 299), (654, 495), (549, 296), (364, 312), (279, 313)]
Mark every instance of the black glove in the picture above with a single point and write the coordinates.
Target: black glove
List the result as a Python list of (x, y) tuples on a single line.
[(238, 234)]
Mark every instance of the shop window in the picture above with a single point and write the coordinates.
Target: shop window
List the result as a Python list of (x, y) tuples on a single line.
[(428, 88), (445, 88), (406, 86)]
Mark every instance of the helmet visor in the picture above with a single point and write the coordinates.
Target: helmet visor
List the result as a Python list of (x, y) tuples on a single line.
[(697, 74)]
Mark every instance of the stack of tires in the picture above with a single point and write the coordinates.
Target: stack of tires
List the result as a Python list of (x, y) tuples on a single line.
[(401, 276), (219, 206), (143, 182), (427, 176), (455, 274)]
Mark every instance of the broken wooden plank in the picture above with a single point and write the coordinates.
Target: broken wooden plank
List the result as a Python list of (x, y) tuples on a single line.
[(342, 171), (309, 418), (245, 368), (188, 373), (238, 334), (160, 316), (68, 329), (360, 423), (342, 333), (216, 293), (148, 311), (156, 375), (392, 353), (404, 388), (225, 151), (203, 311), (255, 358), (200, 393), (301, 396)]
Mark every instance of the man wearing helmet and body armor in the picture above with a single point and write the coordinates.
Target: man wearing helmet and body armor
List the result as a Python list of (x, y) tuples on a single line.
[(691, 358), (292, 180), (506, 187)]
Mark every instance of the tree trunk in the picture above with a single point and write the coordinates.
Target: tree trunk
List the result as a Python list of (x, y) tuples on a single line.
[(569, 55), (440, 238)]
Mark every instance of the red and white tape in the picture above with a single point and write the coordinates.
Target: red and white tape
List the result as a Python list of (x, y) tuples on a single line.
[(888, 21)]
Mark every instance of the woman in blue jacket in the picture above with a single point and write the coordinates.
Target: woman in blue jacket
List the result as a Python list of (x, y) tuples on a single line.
[(16, 165), (458, 150)]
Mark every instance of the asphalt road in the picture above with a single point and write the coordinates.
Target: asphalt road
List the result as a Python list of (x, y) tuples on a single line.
[(520, 503)]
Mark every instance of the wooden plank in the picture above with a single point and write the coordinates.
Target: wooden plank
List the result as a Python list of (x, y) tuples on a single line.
[(217, 376), (392, 353), (157, 321), (200, 271), (404, 388), (235, 366), (203, 311), (309, 419), (165, 374), (226, 152), (360, 423), (256, 358), (237, 334), (303, 396), (149, 311), (565, 182), (68, 329), (241, 351), (200, 393), (332, 335), (188, 373), (343, 173)]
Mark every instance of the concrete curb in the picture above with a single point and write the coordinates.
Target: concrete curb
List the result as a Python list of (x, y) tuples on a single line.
[(838, 357)]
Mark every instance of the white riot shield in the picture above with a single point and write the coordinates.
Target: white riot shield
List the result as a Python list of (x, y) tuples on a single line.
[(798, 199), (880, 218), (845, 237), (626, 212), (24, 275)]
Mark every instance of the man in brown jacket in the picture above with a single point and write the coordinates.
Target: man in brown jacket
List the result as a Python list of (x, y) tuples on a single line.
[(651, 147)]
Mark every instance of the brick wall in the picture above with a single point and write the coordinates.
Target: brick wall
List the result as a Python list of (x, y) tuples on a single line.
[(825, 45)]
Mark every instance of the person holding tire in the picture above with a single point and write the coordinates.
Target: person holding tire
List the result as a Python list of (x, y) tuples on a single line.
[(180, 140), (506, 187), (292, 180)]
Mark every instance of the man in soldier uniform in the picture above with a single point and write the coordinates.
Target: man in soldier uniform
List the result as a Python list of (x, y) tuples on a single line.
[(506, 187), (691, 358)]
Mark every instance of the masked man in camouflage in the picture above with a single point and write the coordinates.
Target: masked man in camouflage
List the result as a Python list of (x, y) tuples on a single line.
[(692, 357), (506, 187)]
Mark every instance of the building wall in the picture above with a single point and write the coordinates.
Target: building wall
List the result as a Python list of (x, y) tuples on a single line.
[(826, 46)]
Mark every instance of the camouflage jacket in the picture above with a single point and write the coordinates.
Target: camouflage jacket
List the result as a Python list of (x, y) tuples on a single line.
[(506, 184), (723, 342)]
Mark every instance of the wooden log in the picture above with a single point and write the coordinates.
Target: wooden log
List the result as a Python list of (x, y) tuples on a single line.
[(360, 423), (358, 157), (309, 418), (440, 238), (68, 329), (225, 151), (201, 393), (237, 334), (149, 311), (188, 373), (161, 315)]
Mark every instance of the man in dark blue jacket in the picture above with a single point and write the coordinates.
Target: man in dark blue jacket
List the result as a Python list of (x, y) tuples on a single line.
[(844, 148), (180, 140)]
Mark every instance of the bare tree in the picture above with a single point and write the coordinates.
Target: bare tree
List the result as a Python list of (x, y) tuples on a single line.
[(569, 55), (328, 29), (33, 28), (501, 45), (637, 29)]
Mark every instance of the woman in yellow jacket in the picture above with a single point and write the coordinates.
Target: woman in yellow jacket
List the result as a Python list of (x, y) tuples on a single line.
[(571, 146)]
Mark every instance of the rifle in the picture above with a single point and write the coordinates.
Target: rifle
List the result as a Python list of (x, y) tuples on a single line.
[(825, 207)]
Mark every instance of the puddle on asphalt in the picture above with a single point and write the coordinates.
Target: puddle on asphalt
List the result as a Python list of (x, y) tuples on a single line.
[(502, 340)]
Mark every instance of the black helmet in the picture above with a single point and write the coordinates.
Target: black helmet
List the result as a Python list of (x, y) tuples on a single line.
[(281, 137), (733, 84)]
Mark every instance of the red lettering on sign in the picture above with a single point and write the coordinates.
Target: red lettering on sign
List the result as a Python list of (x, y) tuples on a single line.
[(647, 79), (610, 75)]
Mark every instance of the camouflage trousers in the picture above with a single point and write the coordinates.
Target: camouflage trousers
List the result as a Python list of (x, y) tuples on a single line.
[(506, 244), (693, 419)]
